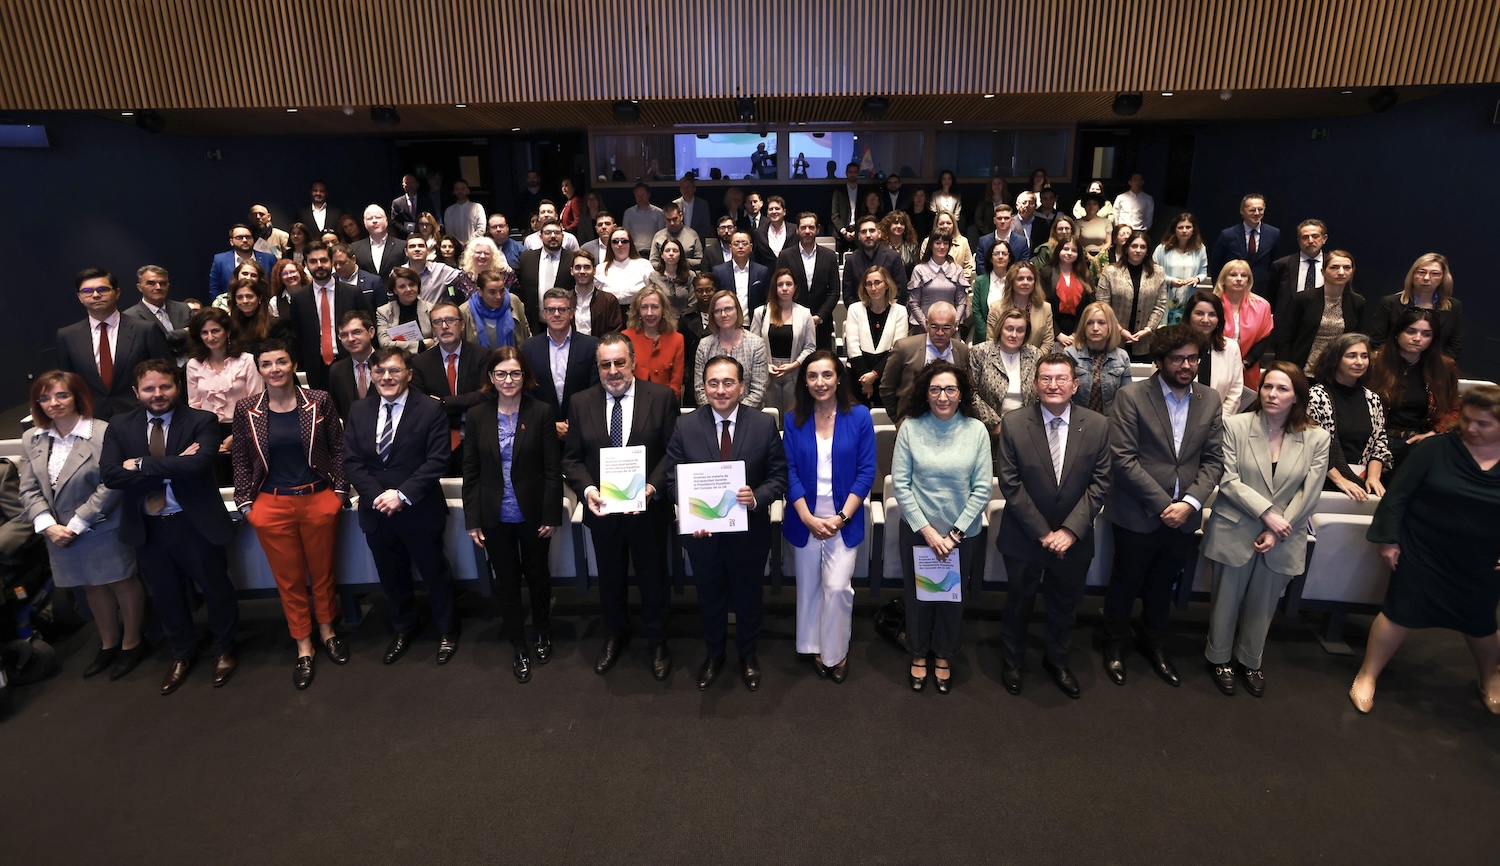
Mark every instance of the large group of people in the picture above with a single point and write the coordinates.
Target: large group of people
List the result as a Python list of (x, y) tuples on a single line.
[(435, 348)]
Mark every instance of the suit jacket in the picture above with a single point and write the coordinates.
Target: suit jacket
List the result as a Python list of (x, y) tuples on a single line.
[(178, 314), (404, 215), (763, 254), (1297, 324), (804, 335), (1020, 250), (702, 221), (302, 316), (16, 530), (756, 441), (221, 272), (1147, 469), (430, 377), (654, 413), (322, 437), (136, 342), (1230, 245), (760, 284), (535, 466), (1248, 489), (1036, 503), (370, 285), (853, 465), (908, 358), (393, 255), (528, 274), (343, 387), (843, 215), (418, 458), (714, 254), (822, 295), (582, 371), (859, 262), (78, 491), (331, 217), (1281, 281), (192, 476), (605, 315)]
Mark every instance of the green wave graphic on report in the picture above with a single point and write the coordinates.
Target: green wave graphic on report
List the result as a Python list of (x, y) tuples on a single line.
[(706, 511), (625, 494), (950, 580)]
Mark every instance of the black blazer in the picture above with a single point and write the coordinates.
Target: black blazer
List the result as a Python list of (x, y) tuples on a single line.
[(394, 255), (136, 342), (404, 216), (823, 295), (756, 441), (528, 274), (192, 476), (343, 388), (430, 377), (302, 317), (418, 459), (535, 466), (859, 262), (1297, 325), (1450, 323), (582, 372), (652, 421), (331, 217), (759, 288), (1035, 503), (1281, 281), (369, 285), (178, 314)]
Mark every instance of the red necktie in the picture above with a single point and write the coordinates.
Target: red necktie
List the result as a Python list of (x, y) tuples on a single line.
[(364, 381), (327, 326), (724, 442), (453, 435), (106, 363), (1250, 244)]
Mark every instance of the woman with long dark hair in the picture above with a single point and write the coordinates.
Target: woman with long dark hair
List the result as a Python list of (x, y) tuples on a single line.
[(1070, 287), (1418, 383), (1183, 258), (946, 197), (1354, 417), (219, 375), (936, 278), (1136, 288), (1219, 366)]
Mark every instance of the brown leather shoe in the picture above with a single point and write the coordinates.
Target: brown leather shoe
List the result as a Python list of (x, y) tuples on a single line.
[(176, 675), (224, 667)]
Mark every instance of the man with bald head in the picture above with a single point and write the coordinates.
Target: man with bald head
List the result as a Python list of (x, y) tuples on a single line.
[(380, 251), (268, 238), (911, 354)]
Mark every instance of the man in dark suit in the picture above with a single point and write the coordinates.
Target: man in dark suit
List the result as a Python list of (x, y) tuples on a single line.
[(1301, 271), (595, 313), (598, 246), (161, 454), (561, 359), (350, 379), (381, 250), (157, 309), (396, 449), (241, 249), (716, 250), (695, 213), (868, 254), (893, 198), (1251, 240), (815, 270), (1020, 245), (774, 235), (314, 316), (624, 411), (1054, 474), (1034, 228), (1166, 456), (749, 280), (728, 568), (348, 272), (845, 204), (406, 207), (319, 214), (910, 355), (105, 347), (543, 269), (451, 373)]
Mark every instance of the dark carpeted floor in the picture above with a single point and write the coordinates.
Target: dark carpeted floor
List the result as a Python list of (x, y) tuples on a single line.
[(419, 764)]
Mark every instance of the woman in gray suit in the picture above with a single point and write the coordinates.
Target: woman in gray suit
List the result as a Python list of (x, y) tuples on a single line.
[(1275, 458), (69, 505)]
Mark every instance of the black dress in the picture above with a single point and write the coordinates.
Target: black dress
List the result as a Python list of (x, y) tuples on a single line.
[(1442, 509)]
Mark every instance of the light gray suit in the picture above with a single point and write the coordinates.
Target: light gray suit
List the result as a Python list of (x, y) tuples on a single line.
[(96, 557)]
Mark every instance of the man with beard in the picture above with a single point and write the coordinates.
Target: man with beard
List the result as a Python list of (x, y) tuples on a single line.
[(314, 316)]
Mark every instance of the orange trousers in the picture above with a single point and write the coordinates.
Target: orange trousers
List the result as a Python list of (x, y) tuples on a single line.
[(298, 534)]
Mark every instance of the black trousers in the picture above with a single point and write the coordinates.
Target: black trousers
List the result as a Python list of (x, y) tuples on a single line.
[(1146, 565), (517, 553), (639, 539), (395, 552), (174, 557), (1061, 590), (933, 627), (729, 568)]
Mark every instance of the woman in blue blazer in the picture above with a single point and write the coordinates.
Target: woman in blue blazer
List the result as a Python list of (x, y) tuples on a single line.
[(830, 455)]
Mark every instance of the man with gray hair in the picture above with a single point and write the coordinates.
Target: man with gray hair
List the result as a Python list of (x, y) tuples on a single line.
[(157, 309), (911, 354)]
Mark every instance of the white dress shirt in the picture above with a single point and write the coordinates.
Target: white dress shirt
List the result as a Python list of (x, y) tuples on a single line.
[(62, 446)]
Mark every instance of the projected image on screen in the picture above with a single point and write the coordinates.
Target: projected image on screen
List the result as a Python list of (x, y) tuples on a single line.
[(727, 155), (820, 155)]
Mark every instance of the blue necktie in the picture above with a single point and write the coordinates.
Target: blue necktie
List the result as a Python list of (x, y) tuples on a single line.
[(383, 447)]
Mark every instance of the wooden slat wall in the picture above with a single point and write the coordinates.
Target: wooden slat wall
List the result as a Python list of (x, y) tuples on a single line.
[(98, 54)]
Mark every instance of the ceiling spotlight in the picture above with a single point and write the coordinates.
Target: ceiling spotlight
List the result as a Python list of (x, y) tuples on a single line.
[(460, 105), (1226, 94), (1383, 99), (1126, 104), (291, 111), (947, 123), (875, 107), (127, 114), (1167, 93), (989, 96), (627, 111), (515, 129), (1346, 92), (348, 111), (384, 116), (746, 108), (150, 122)]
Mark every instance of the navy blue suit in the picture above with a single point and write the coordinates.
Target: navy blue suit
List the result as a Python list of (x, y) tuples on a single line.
[(582, 372), (1020, 250), (222, 272), (1230, 245), (369, 285), (760, 284)]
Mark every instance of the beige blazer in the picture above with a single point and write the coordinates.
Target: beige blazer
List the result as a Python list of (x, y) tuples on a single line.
[(389, 315), (1116, 290)]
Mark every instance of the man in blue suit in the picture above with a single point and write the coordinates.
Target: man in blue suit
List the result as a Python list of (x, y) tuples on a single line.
[(1251, 240), (562, 359), (1020, 246), (242, 248), (728, 567), (749, 280)]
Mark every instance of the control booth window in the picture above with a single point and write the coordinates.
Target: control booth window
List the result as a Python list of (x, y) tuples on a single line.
[(726, 155), (823, 155)]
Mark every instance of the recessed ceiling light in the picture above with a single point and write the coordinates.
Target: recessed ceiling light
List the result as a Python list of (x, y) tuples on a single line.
[(515, 129), (947, 122), (127, 114), (460, 105), (1346, 92), (291, 111), (1166, 93), (989, 96)]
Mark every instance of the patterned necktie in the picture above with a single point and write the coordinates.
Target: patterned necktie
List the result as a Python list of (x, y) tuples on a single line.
[(1251, 244), (1054, 445), (106, 363), (617, 424), (363, 385), (383, 446), (1311, 280), (1096, 389), (724, 442), (161, 316), (156, 500)]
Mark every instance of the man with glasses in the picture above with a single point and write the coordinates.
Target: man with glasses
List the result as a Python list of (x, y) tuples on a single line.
[(452, 373), (595, 313), (350, 379), (498, 228), (105, 347), (911, 354), (396, 449), (241, 249), (546, 213), (157, 309), (716, 251), (867, 254), (543, 269), (749, 280), (562, 358), (314, 314), (1166, 454)]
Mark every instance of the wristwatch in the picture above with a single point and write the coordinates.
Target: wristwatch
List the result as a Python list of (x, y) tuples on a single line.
[(840, 516), (959, 533)]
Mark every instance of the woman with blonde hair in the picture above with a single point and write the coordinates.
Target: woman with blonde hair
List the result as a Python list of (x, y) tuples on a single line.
[(1103, 367), (1428, 286), (1247, 317), (652, 329), (1023, 292)]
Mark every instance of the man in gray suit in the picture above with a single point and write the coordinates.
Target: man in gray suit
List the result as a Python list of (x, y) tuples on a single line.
[(1166, 447), (105, 347), (157, 309), (911, 354), (1054, 474)]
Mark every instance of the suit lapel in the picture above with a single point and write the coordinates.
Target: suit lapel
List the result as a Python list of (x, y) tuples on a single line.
[(1292, 461), (1260, 447), (259, 426), (41, 446), (1159, 402)]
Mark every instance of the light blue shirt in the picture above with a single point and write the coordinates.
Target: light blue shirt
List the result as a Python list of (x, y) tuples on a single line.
[(934, 355), (1177, 414)]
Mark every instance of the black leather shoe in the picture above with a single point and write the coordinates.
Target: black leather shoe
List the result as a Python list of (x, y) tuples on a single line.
[(1114, 663), (521, 667), (224, 667), (1064, 679), (944, 684), (1010, 677), (447, 646), (839, 672), (102, 660), (176, 675), (337, 651), (1255, 681), (820, 669), (917, 683), (710, 671), (609, 654), (750, 672), (126, 661), (302, 673), (1223, 676), (398, 646), (543, 647), (1161, 664), (661, 662)]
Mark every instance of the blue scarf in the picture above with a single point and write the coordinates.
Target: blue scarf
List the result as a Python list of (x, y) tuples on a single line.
[(484, 318)]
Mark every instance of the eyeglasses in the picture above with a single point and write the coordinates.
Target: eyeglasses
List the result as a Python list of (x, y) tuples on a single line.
[(614, 365), (1183, 361), (1426, 273), (619, 242), (241, 237), (556, 311), (388, 371), (1053, 380), (445, 321), (939, 329), (507, 375), (103, 290), (944, 391)]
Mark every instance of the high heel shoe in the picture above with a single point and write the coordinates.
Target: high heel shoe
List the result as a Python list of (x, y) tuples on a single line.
[(944, 684), (1489, 703), (1364, 705), (917, 682)]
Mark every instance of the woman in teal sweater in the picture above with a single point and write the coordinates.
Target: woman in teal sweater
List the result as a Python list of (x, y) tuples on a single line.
[(941, 472)]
